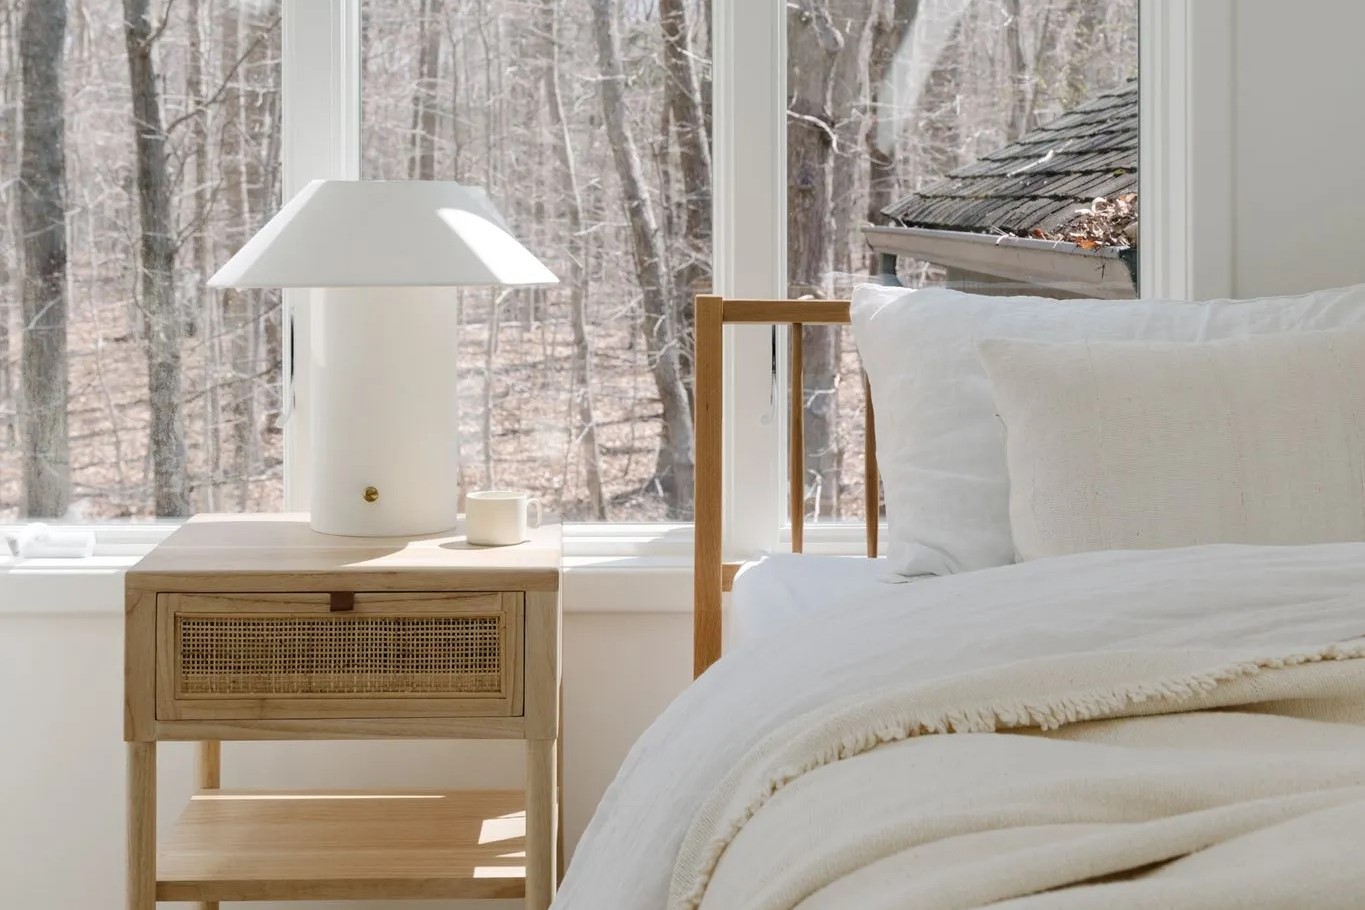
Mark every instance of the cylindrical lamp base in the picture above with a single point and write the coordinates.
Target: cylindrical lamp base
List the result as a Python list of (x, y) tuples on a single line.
[(385, 433)]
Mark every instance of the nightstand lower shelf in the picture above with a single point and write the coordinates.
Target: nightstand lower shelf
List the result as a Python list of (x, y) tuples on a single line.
[(247, 845)]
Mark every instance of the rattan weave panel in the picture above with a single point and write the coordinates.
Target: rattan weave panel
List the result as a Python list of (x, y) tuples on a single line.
[(339, 655)]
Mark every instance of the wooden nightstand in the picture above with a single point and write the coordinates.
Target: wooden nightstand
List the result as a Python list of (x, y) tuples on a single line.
[(253, 627)]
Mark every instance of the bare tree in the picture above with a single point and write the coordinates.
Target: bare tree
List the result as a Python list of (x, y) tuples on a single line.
[(579, 288), (814, 45), (588, 381), (683, 102), (890, 25), (661, 336), (9, 216), (157, 269), (422, 165), (42, 217), (204, 306), (847, 106)]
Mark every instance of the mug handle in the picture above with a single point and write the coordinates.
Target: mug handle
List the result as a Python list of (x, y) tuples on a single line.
[(533, 505)]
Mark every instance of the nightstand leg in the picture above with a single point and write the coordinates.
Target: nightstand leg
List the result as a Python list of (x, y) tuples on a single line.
[(208, 774), (541, 806), (208, 762), (142, 826)]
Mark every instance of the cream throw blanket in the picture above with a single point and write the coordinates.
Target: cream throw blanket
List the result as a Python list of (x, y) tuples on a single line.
[(1131, 780)]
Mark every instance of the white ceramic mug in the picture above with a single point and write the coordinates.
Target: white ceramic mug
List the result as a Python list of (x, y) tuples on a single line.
[(496, 518)]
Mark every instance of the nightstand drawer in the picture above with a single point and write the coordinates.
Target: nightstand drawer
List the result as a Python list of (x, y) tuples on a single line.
[(281, 656)]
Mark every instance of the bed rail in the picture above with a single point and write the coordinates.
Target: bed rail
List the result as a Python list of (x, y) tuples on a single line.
[(713, 576)]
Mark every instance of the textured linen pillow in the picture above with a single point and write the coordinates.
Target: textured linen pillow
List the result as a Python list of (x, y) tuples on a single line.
[(939, 445), (1143, 445)]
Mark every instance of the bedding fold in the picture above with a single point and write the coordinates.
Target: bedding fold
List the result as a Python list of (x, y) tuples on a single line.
[(925, 638), (1125, 773)]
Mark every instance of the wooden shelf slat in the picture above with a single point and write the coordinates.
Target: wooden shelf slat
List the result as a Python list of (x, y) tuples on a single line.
[(245, 845)]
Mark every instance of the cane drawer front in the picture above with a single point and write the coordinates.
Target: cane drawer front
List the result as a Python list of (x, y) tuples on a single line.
[(278, 656)]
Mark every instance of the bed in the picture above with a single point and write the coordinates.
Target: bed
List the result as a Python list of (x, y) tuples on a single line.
[(1173, 724), (779, 589)]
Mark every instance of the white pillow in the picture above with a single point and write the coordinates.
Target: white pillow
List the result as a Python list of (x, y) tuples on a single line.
[(939, 445), (1116, 445)]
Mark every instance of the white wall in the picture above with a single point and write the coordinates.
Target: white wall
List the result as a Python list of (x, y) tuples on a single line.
[(1299, 145), (62, 755)]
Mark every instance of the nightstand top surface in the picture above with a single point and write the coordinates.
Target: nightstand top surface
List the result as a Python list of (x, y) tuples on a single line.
[(233, 549)]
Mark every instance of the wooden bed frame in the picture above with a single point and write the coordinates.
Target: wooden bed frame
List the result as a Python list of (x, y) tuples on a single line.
[(713, 575)]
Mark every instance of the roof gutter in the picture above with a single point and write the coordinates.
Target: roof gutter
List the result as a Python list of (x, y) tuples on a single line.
[(1107, 273)]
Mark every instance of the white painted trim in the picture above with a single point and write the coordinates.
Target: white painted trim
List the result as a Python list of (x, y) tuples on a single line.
[(750, 223), (320, 117), (1186, 148), (112, 539), (604, 543)]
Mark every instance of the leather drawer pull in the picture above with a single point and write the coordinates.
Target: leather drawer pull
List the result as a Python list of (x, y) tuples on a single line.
[(343, 601)]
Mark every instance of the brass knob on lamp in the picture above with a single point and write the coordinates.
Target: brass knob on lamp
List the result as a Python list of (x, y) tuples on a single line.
[(371, 494)]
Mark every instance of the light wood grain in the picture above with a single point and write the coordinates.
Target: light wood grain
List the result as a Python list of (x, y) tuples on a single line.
[(240, 845), (542, 806), (208, 775), (280, 552), (712, 576), (251, 845), (708, 394), (208, 765), (175, 705), (141, 822), (728, 572), (796, 440), (542, 665), (779, 312), (561, 855), (324, 728), (139, 666), (872, 478)]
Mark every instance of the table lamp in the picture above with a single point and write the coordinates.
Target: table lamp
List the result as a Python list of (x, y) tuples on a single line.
[(380, 256)]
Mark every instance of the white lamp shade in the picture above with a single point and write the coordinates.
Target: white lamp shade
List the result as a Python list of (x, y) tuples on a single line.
[(399, 233)]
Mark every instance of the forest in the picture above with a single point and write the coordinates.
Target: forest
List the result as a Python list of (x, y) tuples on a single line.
[(140, 145)]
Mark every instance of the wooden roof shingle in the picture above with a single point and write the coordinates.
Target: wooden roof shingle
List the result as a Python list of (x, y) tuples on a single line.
[(1034, 186)]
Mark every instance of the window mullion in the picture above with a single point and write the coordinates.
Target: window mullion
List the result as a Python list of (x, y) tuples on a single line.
[(749, 99)]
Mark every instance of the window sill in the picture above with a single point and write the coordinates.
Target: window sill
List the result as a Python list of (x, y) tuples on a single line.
[(607, 569)]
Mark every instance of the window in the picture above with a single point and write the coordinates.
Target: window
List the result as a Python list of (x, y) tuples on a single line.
[(587, 123), (887, 98), (604, 133), (119, 195)]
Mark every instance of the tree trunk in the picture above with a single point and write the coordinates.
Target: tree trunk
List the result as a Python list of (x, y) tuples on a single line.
[(235, 304), (578, 258), (9, 217), (260, 406), (201, 252), (422, 164), (893, 24), (849, 94), (813, 47), (683, 100), (1020, 76), (157, 255), (661, 341), (42, 218)]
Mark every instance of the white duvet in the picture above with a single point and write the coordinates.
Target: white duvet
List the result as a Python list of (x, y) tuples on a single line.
[(1248, 600)]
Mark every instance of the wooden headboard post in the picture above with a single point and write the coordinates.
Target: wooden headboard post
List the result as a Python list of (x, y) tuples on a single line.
[(708, 394), (712, 575)]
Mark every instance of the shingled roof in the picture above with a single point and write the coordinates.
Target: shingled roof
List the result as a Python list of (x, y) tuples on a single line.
[(1033, 187)]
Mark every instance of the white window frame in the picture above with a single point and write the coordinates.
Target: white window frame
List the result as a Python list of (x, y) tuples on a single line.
[(1186, 97), (1185, 93)]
